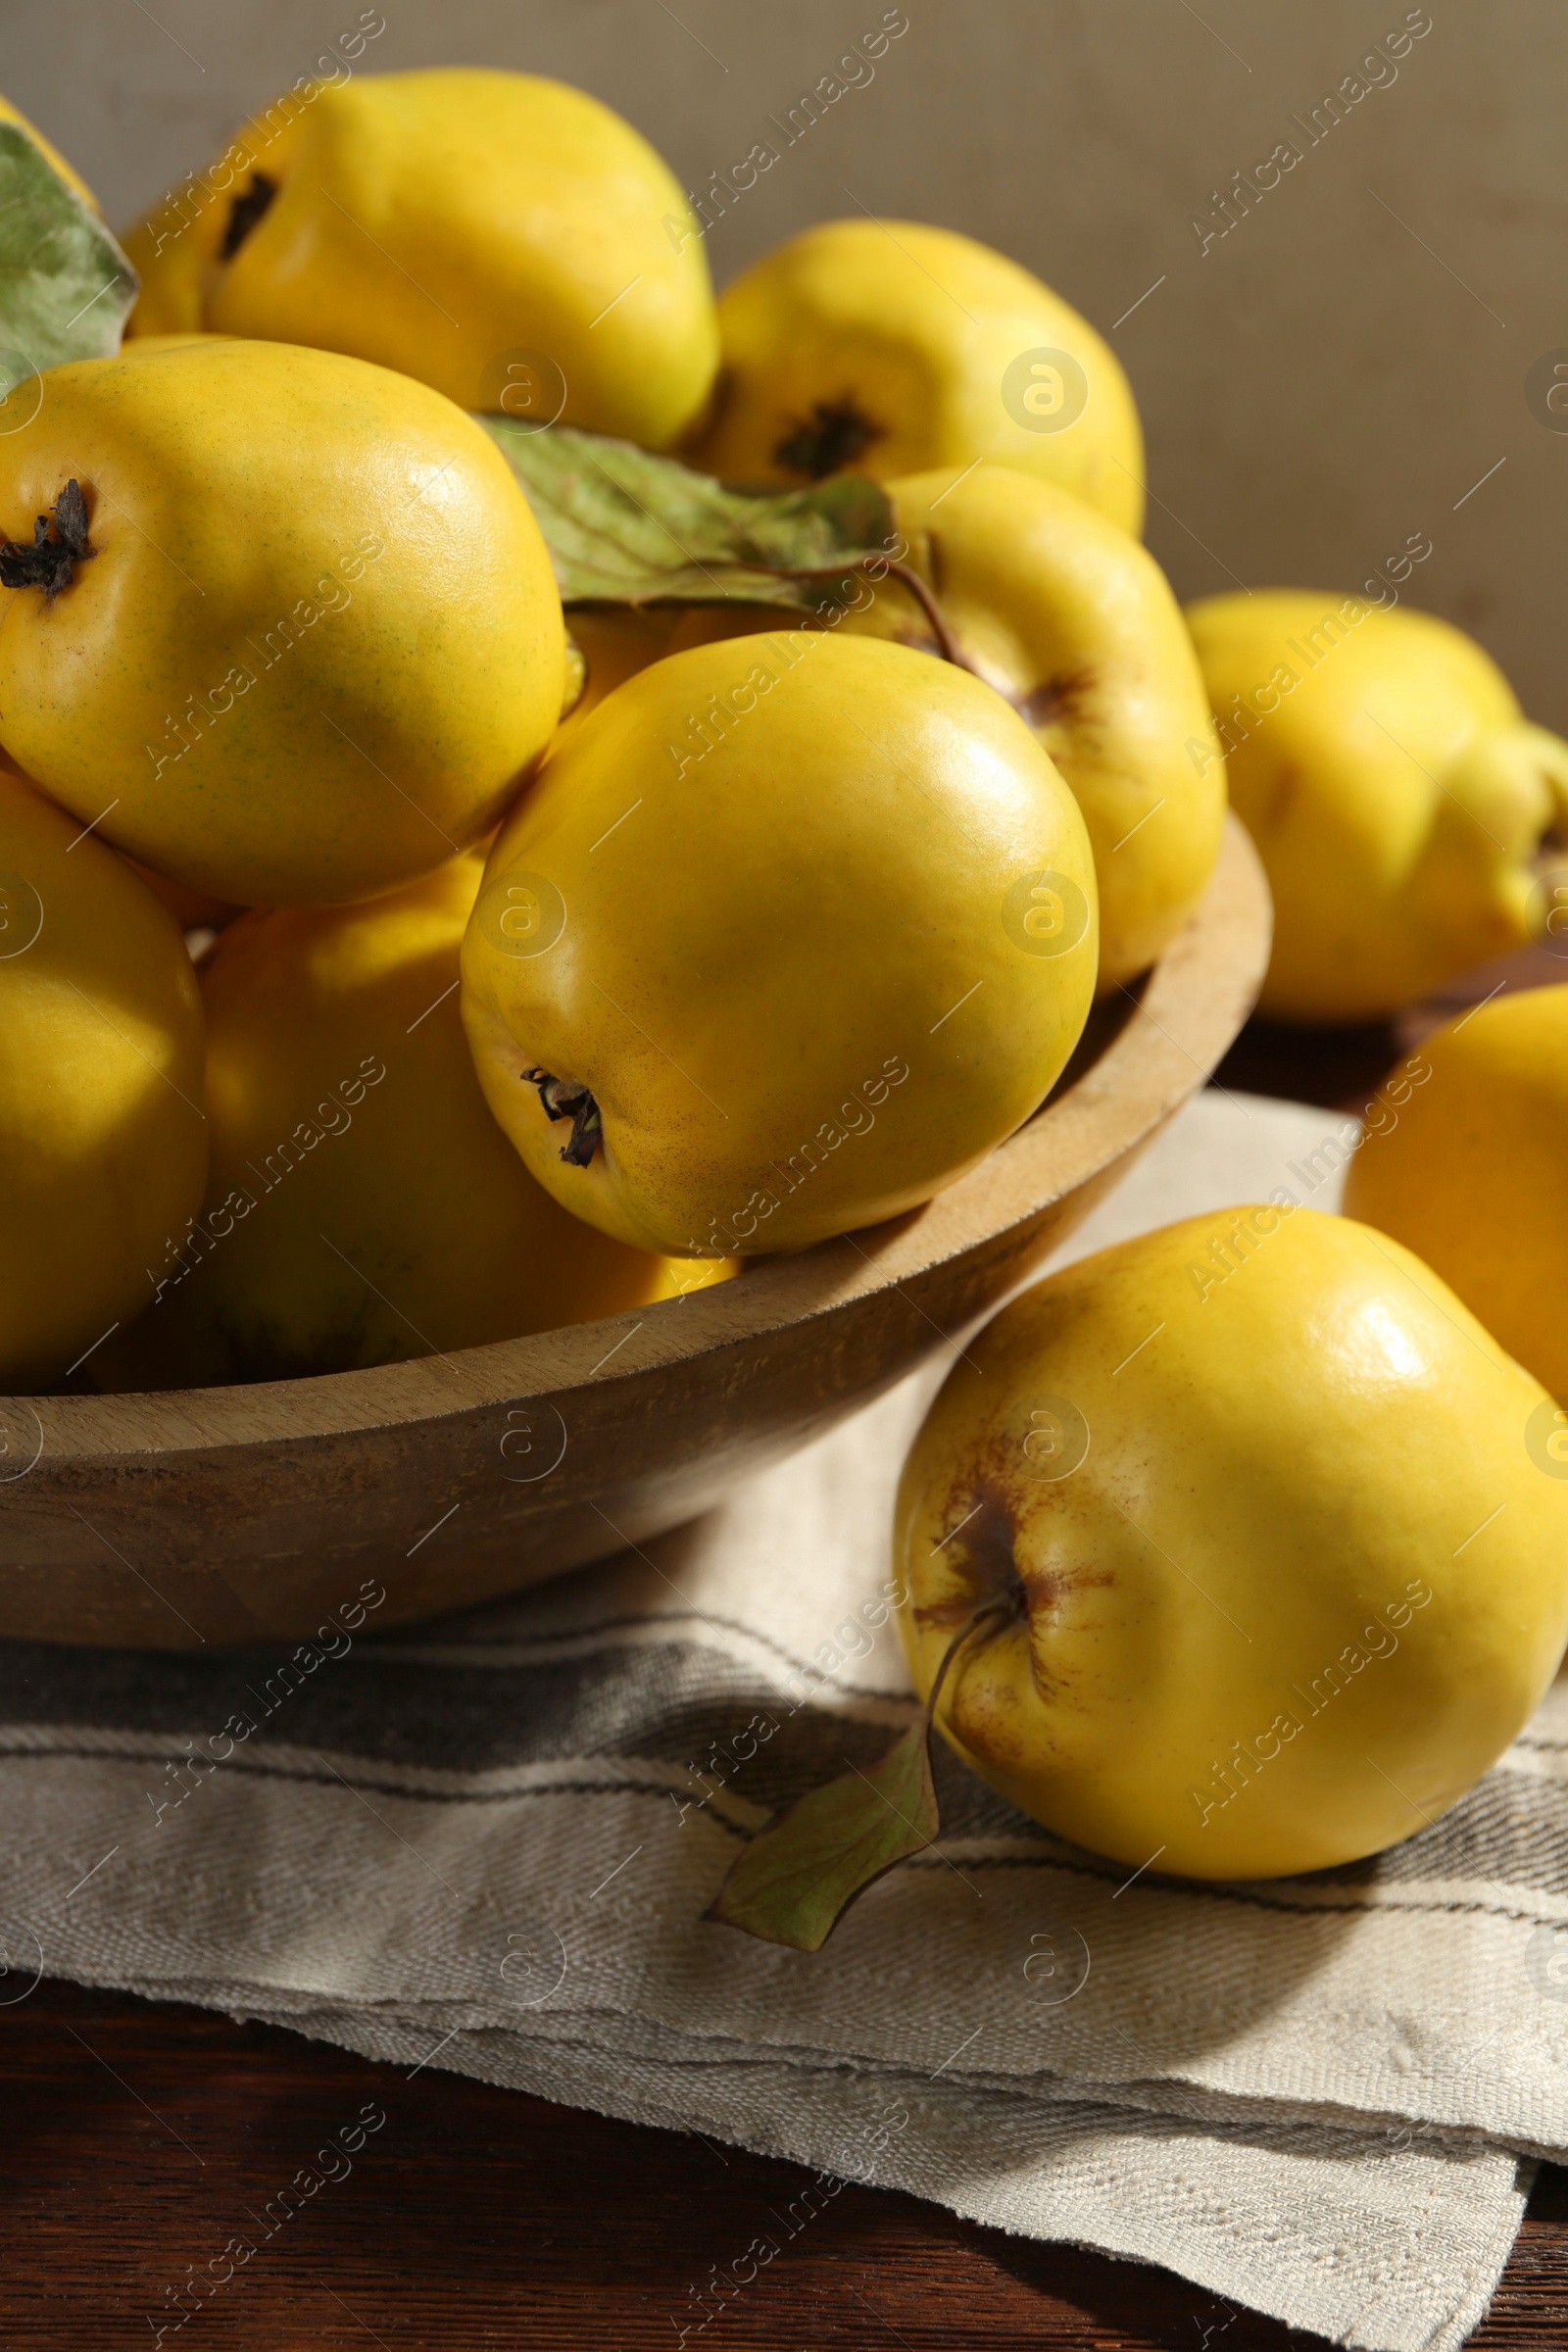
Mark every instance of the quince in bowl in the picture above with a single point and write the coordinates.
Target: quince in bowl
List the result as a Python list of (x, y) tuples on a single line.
[(784, 948), (244, 1509)]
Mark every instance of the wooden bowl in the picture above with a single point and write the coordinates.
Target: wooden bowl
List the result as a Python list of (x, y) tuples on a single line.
[(227, 1515)]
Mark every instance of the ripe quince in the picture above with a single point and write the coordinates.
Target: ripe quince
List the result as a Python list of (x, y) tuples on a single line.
[(501, 236), (789, 935), (100, 1088), (288, 632), (1468, 1170), (893, 347), (1262, 1571), (1075, 623), (363, 1205), (1380, 761)]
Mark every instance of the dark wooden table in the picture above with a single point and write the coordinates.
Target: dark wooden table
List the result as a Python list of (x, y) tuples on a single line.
[(140, 2139)]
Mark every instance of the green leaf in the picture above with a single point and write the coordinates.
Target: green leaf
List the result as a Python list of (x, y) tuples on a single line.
[(66, 288), (804, 1868), (624, 526)]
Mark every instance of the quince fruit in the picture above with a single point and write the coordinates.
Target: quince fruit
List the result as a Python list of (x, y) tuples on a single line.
[(1076, 626), (1395, 794), (893, 347), (789, 934), (1225, 1625), (100, 1088), (1468, 1171), (289, 631), (362, 1206), (500, 236)]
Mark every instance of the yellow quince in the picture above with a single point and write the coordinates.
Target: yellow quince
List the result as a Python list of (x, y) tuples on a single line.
[(1380, 761), (281, 625), (789, 935), (890, 347), (362, 1206), (1469, 1170), (1074, 623), (1260, 1556), (503, 237), (105, 1150)]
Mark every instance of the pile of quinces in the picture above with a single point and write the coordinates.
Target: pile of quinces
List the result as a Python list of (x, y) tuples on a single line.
[(648, 782)]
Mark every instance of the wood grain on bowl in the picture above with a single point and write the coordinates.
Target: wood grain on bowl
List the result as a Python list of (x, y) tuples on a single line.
[(230, 1515)]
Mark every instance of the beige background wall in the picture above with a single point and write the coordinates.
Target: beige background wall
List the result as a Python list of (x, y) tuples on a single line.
[(1332, 376)]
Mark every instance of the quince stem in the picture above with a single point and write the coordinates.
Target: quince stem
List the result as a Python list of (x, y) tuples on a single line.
[(1004, 1604), (908, 577)]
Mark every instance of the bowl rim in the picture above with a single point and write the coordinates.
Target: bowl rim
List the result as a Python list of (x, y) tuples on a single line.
[(1181, 1020)]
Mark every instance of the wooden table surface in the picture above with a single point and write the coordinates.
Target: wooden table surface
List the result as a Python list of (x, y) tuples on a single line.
[(140, 2137)]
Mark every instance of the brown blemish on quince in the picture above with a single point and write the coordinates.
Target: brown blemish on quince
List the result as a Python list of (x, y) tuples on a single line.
[(1058, 698), (982, 1537)]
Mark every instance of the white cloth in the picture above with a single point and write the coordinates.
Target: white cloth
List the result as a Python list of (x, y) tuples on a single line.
[(487, 1845)]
